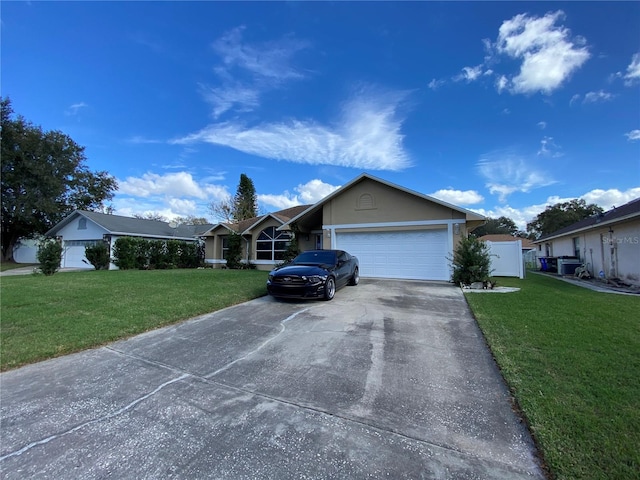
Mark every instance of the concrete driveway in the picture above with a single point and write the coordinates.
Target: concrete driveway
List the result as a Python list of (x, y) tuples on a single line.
[(391, 379)]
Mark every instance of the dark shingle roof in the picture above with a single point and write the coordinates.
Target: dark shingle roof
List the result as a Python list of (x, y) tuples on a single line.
[(282, 215), (135, 226), (631, 209)]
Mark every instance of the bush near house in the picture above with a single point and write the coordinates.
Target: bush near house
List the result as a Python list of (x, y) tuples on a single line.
[(138, 253), (471, 262), (49, 256), (98, 255)]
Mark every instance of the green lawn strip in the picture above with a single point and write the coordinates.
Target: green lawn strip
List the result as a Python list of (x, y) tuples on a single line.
[(43, 317), (571, 357)]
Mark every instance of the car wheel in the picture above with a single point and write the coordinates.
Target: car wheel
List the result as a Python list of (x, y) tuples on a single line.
[(355, 279), (329, 288)]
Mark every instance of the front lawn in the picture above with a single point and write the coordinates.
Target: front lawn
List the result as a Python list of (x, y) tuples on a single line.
[(43, 317), (571, 357)]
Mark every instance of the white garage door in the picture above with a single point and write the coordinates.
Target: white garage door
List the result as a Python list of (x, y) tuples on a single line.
[(420, 255), (73, 253)]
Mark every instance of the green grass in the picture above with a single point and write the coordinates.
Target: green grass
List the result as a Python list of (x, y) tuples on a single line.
[(43, 317), (571, 357)]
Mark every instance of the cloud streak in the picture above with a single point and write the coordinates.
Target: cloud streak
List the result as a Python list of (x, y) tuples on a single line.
[(506, 173), (309, 193), (247, 71), (367, 136)]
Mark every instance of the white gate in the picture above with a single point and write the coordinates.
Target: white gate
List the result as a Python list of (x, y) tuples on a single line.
[(506, 259)]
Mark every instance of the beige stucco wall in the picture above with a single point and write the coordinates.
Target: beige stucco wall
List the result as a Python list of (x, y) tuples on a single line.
[(373, 202)]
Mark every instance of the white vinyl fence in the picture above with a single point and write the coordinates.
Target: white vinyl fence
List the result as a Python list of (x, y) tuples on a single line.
[(506, 259)]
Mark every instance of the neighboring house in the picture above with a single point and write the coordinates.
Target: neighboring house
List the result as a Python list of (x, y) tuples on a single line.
[(394, 232), (609, 244), (81, 228)]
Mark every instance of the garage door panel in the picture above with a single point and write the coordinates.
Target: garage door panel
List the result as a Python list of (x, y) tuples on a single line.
[(408, 254)]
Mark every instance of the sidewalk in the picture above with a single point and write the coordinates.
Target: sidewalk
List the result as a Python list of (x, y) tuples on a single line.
[(31, 269)]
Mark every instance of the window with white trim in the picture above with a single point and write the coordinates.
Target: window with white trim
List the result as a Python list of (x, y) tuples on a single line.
[(272, 244)]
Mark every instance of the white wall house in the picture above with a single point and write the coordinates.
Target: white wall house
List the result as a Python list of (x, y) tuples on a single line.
[(609, 244), (82, 228)]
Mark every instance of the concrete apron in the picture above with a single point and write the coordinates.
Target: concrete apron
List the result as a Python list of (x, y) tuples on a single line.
[(391, 379)]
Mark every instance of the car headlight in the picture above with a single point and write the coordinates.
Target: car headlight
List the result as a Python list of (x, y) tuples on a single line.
[(316, 279), (270, 278)]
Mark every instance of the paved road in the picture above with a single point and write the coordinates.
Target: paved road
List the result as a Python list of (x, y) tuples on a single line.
[(388, 380)]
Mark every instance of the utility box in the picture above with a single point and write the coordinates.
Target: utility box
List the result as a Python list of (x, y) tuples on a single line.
[(567, 266)]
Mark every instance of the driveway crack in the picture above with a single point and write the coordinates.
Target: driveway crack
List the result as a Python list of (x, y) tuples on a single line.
[(283, 327), (113, 414)]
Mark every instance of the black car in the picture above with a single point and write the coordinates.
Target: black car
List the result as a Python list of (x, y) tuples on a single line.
[(316, 273)]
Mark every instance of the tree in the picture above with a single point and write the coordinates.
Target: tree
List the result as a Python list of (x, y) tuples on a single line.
[(501, 225), (191, 220), (245, 203), (222, 210), (561, 215), (44, 179), (158, 217)]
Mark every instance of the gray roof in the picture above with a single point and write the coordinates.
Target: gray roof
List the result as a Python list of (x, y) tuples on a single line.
[(116, 224), (615, 215)]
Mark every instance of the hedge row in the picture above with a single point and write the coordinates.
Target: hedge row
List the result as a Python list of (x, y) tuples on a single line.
[(138, 253)]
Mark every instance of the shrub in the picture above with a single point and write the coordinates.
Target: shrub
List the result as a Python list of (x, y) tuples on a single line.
[(142, 254), (49, 256), (471, 262), (98, 255), (124, 255), (234, 253)]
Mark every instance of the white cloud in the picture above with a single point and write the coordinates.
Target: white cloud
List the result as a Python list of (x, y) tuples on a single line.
[(265, 60), (520, 216), (506, 173), (607, 199), (308, 193), (248, 70), (633, 70), (170, 195), (469, 74), (548, 53), (502, 83), (140, 140), (150, 184), (366, 137), (75, 108), (222, 99), (600, 96), (548, 148), (435, 84), (633, 135), (542, 125), (574, 99), (458, 197)]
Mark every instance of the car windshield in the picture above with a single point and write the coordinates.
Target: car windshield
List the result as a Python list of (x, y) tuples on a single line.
[(315, 258)]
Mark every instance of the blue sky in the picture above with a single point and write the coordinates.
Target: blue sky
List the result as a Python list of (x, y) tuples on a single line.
[(499, 107)]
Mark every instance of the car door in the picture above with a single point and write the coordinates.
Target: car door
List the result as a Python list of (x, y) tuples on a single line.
[(343, 269)]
